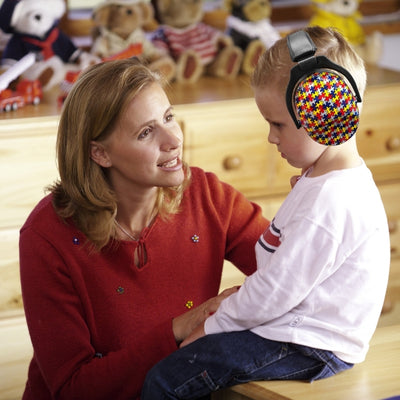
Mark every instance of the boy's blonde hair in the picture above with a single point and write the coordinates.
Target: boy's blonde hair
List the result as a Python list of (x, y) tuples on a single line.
[(92, 109), (274, 65)]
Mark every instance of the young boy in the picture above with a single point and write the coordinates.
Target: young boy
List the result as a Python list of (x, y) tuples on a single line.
[(310, 309)]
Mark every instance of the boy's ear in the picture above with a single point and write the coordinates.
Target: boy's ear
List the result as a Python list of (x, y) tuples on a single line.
[(99, 154)]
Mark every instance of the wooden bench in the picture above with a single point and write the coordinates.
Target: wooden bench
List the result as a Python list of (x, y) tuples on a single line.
[(377, 378)]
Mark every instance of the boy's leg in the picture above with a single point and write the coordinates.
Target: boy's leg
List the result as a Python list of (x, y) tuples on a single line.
[(218, 361)]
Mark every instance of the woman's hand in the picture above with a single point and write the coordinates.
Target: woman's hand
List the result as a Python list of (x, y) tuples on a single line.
[(184, 324), (196, 334)]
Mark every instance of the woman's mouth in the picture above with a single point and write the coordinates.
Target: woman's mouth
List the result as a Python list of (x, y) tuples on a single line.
[(171, 164)]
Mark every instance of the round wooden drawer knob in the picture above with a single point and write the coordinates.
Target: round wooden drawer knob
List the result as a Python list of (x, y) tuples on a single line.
[(392, 225), (393, 143), (232, 162)]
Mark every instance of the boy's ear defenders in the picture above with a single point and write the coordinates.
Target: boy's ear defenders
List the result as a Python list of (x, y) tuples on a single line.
[(318, 95)]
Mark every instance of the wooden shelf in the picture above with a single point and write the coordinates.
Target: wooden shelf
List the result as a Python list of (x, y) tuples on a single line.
[(207, 89), (298, 12)]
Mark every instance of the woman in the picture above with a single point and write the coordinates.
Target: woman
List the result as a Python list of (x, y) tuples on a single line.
[(124, 257)]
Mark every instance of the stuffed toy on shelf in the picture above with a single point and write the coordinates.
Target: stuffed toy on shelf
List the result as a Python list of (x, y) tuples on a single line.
[(345, 17), (119, 24), (33, 28), (250, 27), (197, 48)]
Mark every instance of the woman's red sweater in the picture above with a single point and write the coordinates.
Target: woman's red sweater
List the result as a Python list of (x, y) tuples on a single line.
[(97, 322)]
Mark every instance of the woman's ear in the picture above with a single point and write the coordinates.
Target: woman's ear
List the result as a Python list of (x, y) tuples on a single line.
[(99, 155)]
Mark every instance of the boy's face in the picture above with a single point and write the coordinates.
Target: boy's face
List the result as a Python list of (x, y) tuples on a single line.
[(294, 144)]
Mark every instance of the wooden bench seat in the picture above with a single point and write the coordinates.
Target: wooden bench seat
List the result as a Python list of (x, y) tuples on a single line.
[(377, 378)]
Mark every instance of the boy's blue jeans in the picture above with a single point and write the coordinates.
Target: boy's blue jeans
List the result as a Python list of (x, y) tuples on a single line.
[(218, 361)]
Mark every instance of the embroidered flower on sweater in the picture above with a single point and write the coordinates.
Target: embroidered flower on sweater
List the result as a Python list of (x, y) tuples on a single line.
[(189, 304), (195, 238)]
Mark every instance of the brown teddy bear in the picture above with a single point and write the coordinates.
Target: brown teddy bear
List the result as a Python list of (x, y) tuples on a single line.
[(250, 27), (345, 17), (196, 47), (119, 24)]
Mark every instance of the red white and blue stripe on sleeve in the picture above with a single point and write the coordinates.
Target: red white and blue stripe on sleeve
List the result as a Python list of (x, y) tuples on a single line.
[(270, 239)]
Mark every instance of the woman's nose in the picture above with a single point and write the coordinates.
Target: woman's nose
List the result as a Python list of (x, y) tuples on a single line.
[(171, 140)]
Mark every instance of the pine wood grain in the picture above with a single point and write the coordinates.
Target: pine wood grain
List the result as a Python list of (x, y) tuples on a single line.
[(16, 352), (376, 378)]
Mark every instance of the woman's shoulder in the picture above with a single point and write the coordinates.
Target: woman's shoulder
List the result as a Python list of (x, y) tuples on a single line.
[(42, 215), (208, 182), (200, 176), (210, 189)]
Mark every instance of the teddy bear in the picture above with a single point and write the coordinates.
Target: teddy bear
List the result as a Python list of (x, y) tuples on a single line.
[(344, 16), (196, 47), (249, 25), (32, 26), (119, 24)]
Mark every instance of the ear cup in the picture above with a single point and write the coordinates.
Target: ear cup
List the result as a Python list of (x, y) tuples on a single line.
[(321, 96), (326, 108)]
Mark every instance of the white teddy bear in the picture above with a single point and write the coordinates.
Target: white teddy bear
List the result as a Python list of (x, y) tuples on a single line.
[(33, 25)]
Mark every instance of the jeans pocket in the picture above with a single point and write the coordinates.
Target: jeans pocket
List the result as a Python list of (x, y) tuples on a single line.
[(198, 386), (325, 372)]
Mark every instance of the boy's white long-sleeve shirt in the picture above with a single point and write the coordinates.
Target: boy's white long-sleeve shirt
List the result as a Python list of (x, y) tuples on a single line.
[(323, 267)]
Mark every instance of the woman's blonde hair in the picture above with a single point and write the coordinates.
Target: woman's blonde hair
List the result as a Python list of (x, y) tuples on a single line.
[(90, 112), (274, 65)]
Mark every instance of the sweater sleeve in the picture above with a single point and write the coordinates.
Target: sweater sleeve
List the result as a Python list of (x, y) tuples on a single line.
[(279, 287), (242, 220), (61, 337)]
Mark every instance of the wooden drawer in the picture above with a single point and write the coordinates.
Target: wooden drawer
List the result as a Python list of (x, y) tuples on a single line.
[(10, 288), (393, 290), (230, 139), (378, 135), (390, 195), (28, 165)]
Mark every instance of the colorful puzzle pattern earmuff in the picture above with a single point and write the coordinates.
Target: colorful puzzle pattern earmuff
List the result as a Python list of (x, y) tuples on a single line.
[(319, 95)]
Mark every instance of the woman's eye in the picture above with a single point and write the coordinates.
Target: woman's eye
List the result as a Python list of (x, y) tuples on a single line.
[(169, 117), (146, 132)]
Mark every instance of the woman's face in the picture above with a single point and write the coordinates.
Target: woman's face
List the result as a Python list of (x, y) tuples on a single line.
[(145, 149)]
